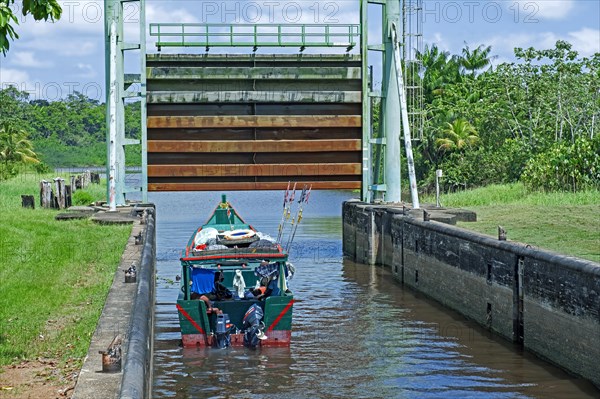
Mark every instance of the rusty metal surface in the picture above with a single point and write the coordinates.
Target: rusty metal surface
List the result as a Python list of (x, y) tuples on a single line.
[(256, 134), (251, 186), (225, 146), (225, 170), (254, 121), (188, 158)]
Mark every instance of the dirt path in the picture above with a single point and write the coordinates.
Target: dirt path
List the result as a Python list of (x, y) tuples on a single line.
[(40, 379)]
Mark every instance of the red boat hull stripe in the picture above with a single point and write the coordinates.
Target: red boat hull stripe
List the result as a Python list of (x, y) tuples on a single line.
[(187, 316), (283, 312)]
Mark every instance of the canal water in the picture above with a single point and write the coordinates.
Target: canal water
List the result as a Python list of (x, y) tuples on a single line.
[(356, 332)]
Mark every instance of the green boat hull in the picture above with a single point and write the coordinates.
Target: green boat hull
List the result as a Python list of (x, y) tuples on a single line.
[(198, 324)]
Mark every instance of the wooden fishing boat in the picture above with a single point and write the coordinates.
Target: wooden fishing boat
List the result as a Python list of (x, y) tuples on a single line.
[(231, 276)]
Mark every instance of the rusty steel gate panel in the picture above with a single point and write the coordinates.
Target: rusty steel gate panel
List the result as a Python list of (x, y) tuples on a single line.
[(253, 122)]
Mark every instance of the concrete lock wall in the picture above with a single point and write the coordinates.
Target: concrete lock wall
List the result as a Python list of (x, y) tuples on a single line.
[(137, 375), (547, 302)]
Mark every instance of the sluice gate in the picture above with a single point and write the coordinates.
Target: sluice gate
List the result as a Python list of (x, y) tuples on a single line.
[(254, 122)]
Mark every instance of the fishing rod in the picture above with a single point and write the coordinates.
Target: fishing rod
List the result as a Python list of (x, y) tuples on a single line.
[(303, 201), (285, 201), (293, 220), (287, 212), (229, 216)]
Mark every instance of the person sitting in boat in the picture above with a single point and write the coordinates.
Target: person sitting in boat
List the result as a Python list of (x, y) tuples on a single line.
[(221, 292), (209, 305), (202, 286), (263, 290)]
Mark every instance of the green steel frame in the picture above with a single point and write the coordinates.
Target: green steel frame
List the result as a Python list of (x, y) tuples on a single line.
[(269, 35), (366, 104), (255, 35), (114, 11)]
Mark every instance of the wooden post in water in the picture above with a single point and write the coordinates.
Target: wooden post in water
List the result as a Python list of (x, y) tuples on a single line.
[(45, 194)]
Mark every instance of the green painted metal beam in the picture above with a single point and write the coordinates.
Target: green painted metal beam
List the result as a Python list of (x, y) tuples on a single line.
[(270, 58), (255, 35)]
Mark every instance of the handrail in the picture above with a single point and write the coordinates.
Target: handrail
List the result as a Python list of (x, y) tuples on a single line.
[(255, 35)]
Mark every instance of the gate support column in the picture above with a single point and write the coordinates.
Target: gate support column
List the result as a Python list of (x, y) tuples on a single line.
[(391, 107)]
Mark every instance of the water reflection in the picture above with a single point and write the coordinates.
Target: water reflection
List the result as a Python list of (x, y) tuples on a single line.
[(356, 332)]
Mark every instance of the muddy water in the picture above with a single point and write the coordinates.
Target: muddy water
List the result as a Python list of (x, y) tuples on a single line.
[(356, 332)]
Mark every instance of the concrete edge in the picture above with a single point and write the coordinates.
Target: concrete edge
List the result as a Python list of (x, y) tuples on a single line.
[(137, 375), (114, 320), (518, 248)]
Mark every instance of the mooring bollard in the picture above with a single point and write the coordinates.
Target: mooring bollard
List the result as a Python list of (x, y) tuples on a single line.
[(144, 216), (111, 357), (501, 233), (138, 238), (130, 274)]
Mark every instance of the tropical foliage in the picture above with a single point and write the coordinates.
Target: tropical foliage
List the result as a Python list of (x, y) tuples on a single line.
[(69, 132), (38, 9), (15, 150), (535, 120)]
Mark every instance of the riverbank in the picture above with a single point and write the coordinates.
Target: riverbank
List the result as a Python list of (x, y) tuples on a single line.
[(55, 277), (567, 223)]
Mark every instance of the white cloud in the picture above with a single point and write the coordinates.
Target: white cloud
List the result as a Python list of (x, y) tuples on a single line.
[(586, 41), (27, 59), (61, 46), (507, 43), (85, 71), (14, 77), (544, 9), (440, 41)]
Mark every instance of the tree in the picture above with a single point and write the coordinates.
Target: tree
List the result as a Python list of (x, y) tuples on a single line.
[(475, 60), (39, 9), (15, 147), (458, 135), (439, 70)]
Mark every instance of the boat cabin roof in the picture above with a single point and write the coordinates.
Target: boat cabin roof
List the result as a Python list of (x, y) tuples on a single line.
[(236, 256)]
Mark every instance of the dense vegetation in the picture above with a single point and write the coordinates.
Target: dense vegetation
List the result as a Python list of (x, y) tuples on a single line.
[(535, 121), (38, 9), (68, 132)]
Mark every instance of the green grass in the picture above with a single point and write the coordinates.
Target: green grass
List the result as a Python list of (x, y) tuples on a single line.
[(567, 223), (54, 275)]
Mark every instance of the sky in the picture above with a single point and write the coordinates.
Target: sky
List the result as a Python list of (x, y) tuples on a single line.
[(52, 60)]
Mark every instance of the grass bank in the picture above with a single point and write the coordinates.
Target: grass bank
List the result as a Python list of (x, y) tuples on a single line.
[(568, 223), (54, 275)]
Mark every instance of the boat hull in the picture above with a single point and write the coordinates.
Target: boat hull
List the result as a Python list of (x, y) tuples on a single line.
[(276, 338), (197, 325)]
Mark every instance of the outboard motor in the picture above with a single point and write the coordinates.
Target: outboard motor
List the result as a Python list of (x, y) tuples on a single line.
[(253, 326), (223, 331)]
